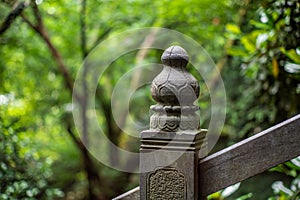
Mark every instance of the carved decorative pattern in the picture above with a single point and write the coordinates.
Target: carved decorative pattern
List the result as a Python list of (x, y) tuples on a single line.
[(175, 91), (183, 122), (175, 87), (166, 184)]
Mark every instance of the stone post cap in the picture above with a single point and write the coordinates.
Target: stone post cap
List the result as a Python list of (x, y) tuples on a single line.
[(175, 90), (175, 56), (175, 85)]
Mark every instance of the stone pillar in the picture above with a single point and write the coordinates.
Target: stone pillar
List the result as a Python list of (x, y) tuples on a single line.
[(169, 152)]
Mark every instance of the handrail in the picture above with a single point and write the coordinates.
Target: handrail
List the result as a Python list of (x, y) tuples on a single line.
[(250, 157), (245, 159)]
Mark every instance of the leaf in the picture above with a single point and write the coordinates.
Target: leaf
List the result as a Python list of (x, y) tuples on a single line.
[(294, 163), (252, 70), (248, 44), (260, 25), (275, 68), (246, 196), (233, 28), (237, 51), (292, 54), (230, 190), (215, 195), (292, 68), (261, 39), (279, 187), (279, 168)]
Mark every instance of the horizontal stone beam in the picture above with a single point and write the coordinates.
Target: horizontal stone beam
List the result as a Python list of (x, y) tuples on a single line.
[(245, 159), (250, 157)]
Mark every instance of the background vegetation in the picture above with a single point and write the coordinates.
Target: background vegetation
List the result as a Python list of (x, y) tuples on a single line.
[(255, 44)]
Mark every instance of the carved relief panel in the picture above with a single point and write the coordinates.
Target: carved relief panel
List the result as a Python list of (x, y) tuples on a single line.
[(166, 184)]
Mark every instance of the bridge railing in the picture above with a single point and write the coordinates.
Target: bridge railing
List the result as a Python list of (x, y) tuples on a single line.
[(170, 167)]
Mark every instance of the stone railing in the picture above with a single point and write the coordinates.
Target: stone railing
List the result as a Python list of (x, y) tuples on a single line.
[(170, 167)]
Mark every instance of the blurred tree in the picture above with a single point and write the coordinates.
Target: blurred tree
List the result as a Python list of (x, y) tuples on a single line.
[(41, 58), (24, 174), (39, 62), (268, 47), (265, 58)]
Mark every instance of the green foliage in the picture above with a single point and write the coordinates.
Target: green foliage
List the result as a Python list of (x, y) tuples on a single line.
[(286, 193), (266, 52), (290, 168), (259, 38), (223, 194), (268, 47), (23, 173)]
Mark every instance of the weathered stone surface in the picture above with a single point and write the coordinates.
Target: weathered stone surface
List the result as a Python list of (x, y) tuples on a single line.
[(271, 147), (166, 184), (175, 85), (185, 141), (175, 90), (185, 163), (169, 151)]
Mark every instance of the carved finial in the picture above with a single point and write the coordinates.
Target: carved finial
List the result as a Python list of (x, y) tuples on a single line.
[(175, 56), (175, 90)]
